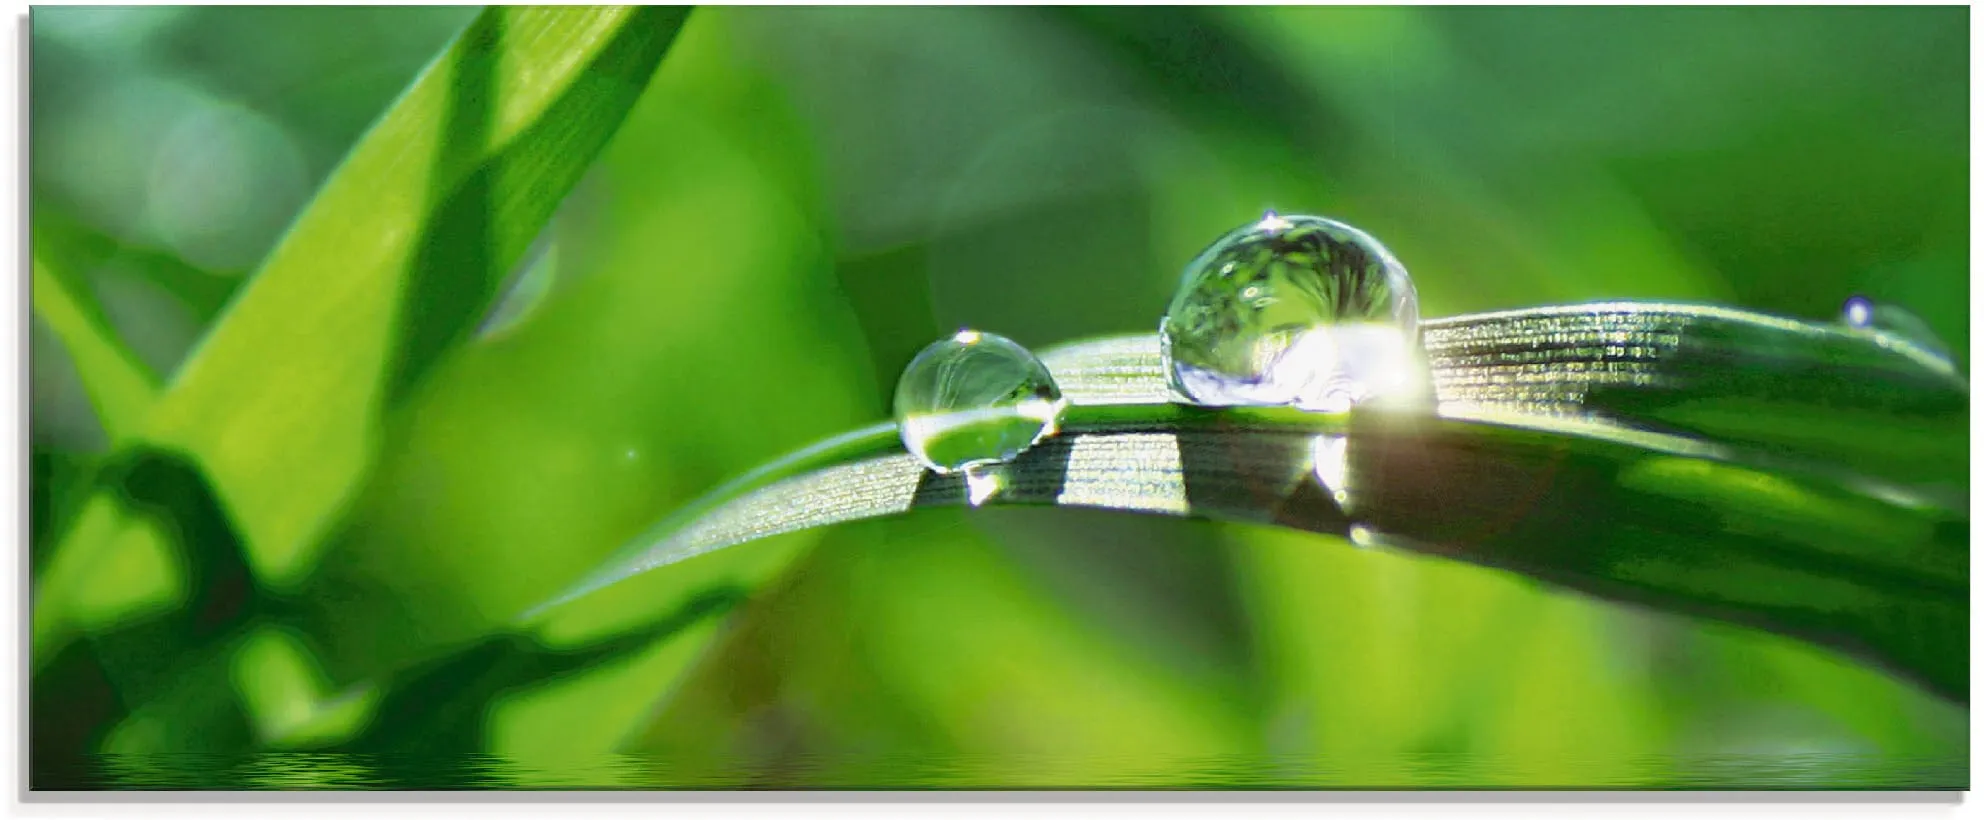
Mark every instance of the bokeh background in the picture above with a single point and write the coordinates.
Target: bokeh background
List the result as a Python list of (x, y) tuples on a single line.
[(803, 198)]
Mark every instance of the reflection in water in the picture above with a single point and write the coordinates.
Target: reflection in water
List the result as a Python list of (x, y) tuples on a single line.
[(306, 771), (1331, 454), (981, 483)]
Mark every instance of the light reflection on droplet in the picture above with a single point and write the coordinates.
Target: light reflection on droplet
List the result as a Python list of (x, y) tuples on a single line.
[(1271, 222), (1859, 312)]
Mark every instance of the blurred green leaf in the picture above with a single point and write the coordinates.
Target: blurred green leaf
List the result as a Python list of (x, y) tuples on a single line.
[(388, 267), (693, 269), (1049, 696), (70, 244), (120, 387)]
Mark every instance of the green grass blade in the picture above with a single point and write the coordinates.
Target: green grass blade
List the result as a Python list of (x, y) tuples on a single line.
[(68, 243), (1787, 387), (120, 387), (1530, 466), (390, 265)]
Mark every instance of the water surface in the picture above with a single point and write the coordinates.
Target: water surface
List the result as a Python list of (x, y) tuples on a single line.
[(317, 771)]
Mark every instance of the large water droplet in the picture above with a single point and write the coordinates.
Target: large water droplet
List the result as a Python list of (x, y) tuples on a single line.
[(975, 399), (1296, 310)]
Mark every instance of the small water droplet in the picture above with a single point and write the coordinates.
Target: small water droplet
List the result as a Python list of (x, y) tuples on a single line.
[(1893, 322), (1297, 310), (975, 399), (527, 288), (1859, 312)]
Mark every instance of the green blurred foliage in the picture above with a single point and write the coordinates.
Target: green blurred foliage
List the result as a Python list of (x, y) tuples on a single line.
[(800, 200)]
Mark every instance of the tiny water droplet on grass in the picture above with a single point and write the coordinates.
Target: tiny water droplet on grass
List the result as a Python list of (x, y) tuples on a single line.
[(1891, 321), (975, 399)]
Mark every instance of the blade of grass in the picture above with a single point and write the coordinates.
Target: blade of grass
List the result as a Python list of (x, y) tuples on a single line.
[(67, 243), (1787, 387), (1697, 527), (1529, 466), (385, 270), (1620, 514), (120, 387)]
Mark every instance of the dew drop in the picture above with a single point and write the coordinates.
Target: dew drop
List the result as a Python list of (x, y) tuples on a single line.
[(975, 399), (1893, 322), (1297, 310), (1859, 312)]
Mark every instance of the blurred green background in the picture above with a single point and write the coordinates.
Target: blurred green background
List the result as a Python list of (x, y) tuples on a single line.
[(799, 201)]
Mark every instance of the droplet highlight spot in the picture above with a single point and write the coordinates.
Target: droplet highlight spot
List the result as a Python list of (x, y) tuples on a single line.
[(1892, 322), (1859, 313), (1295, 310), (975, 399)]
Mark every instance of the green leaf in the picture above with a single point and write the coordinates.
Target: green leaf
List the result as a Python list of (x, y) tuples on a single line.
[(1545, 459), (391, 265), (121, 387), (70, 244)]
